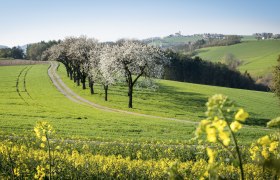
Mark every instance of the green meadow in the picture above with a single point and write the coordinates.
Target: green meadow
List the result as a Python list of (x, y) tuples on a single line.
[(28, 95), (180, 100), (175, 40), (258, 57)]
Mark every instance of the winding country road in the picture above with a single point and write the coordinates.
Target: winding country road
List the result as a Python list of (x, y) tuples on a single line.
[(66, 91)]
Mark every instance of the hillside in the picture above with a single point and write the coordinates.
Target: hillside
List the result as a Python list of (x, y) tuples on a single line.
[(173, 40), (28, 95), (258, 57), (181, 100)]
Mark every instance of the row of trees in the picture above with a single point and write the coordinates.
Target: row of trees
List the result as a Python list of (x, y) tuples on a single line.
[(14, 52), (202, 43), (86, 60), (186, 69)]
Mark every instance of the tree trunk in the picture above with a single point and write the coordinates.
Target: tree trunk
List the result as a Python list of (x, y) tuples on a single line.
[(74, 76), (89, 80), (71, 74), (84, 81), (78, 78), (130, 91), (106, 92), (91, 88), (90, 85), (78, 81), (68, 72)]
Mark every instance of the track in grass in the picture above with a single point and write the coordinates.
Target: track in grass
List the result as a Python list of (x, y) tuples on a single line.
[(17, 85), (24, 81), (21, 78)]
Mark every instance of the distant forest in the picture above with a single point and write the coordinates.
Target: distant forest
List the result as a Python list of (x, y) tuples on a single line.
[(14, 52), (186, 69)]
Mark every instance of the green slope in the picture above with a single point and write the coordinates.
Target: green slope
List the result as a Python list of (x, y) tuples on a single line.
[(259, 56), (38, 99), (181, 100), (175, 40)]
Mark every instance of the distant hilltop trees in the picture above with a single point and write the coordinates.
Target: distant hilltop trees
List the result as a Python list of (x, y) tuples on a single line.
[(204, 36), (265, 35)]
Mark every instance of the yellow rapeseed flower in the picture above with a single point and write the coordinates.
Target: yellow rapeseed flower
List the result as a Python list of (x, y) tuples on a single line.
[(273, 146), (241, 115), (219, 124), (264, 140), (265, 154), (40, 173), (211, 155), (44, 138), (224, 136), (204, 122), (16, 172), (211, 134), (42, 145), (37, 132), (235, 126), (253, 150)]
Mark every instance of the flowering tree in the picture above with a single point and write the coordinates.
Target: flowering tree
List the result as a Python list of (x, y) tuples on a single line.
[(133, 59), (79, 51), (60, 52), (99, 72)]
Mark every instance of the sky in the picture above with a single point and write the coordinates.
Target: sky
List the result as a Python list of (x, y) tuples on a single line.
[(29, 21)]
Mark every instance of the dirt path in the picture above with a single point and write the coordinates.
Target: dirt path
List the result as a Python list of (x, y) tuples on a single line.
[(62, 87)]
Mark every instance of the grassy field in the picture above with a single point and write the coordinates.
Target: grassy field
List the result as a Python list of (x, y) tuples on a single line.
[(37, 99), (175, 40), (259, 56), (248, 38), (181, 100)]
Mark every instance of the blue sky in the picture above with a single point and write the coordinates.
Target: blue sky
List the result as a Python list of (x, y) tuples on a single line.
[(30, 21)]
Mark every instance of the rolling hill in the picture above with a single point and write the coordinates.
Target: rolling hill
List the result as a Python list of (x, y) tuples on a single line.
[(28, 95), (258, 57), (173, 40)]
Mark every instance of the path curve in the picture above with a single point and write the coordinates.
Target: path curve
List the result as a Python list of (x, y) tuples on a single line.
[(66, 91)]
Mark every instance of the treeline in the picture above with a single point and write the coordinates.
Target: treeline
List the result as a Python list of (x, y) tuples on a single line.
[(209, 42), (14, 52), (226, 41), (195, 70), (35, 51)]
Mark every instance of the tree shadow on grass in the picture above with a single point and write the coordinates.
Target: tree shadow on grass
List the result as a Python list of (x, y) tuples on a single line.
[(170, 97), (254, 120)]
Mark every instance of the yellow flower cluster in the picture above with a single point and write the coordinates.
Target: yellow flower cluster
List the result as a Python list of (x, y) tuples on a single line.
[(265, 148), (215, 130), (32, 163), (240, 116), (43, 131), (220, 127)]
